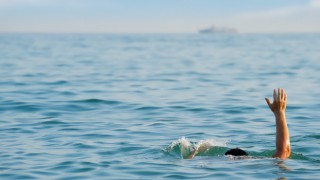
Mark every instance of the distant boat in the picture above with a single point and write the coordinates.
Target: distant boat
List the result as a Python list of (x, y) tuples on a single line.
[(217, 30)]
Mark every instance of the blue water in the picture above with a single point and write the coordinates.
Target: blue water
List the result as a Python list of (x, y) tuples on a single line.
[(113, 106)]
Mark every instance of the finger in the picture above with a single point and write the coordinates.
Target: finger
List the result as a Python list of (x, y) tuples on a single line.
[(268, 102), (285, 97), (274, 95), (282, 94), (279, 94)]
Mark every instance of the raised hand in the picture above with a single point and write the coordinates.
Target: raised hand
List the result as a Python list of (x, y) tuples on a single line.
[(279, 101), (278, 107)]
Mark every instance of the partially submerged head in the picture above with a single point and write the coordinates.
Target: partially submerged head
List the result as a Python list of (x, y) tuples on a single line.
[(236, 152)]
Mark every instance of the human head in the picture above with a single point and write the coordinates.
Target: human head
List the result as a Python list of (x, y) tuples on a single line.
[(236, 152)]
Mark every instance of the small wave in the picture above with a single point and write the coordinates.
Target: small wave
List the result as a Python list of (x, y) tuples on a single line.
[(197, 109), (69, 129), (98, 101), (270, 153), (67, 93), (95, 136), (183, 147), (16, 176), (75, 108), (82, 170), (186, 108), (148, 108), (315, 136), (28, 108), (13, 83), (178, 107), (52, 122), (176, 147), (61, 82), (83, 146), (19, 130), (294, 107), (50, 114), (21, 106)]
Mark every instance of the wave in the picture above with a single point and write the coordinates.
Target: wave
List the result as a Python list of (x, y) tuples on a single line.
[(98, 101), (183, 147)]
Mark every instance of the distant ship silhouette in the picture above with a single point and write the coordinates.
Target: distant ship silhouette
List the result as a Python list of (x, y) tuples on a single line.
[(217, 30)]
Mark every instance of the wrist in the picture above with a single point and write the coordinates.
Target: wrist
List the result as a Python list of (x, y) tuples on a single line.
[(279, 114)]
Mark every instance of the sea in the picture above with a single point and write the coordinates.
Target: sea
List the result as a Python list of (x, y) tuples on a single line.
[(133, 106)]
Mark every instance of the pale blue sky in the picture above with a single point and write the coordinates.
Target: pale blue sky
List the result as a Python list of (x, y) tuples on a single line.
[(158, 16)]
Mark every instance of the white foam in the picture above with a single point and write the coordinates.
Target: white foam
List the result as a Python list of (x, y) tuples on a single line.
[(210, 142), (186, 146)]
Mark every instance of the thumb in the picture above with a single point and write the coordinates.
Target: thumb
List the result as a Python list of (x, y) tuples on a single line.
[(268, 102)]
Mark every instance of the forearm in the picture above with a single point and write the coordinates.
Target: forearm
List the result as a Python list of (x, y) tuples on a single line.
[(192, 154), (282, 136), (278, 107)]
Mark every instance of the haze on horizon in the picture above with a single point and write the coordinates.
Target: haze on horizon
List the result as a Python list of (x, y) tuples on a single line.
[(159, 16)]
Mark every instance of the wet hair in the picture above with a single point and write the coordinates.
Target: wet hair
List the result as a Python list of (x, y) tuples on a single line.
[(236, 152)]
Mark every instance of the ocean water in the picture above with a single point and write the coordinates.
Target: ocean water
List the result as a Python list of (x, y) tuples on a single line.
[(131, 106)]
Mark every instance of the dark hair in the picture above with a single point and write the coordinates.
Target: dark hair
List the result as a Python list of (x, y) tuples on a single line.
[(236, 152)]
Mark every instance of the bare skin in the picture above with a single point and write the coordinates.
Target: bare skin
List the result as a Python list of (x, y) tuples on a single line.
[(278, 107), (192, 154)]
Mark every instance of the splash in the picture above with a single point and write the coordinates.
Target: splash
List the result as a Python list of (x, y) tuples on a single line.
[(183, 147)]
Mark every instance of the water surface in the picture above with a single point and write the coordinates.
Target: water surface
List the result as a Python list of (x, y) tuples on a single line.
[(107, 106)]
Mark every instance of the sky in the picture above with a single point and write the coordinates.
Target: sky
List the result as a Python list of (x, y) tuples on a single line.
[(159, 16)]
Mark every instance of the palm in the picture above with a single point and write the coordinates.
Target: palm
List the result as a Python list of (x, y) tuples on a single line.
[(279, 101)]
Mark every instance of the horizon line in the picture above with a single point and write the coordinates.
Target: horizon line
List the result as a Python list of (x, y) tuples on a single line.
[(97, 32)]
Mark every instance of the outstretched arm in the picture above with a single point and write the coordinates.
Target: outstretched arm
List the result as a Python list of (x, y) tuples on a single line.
[(199, 149), (278, 107), (192, 154)]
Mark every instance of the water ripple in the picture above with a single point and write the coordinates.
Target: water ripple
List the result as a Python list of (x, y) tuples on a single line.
[(98, 101), (111, 106)]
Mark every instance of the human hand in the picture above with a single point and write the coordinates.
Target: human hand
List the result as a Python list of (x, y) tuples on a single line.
[(279, 102)]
